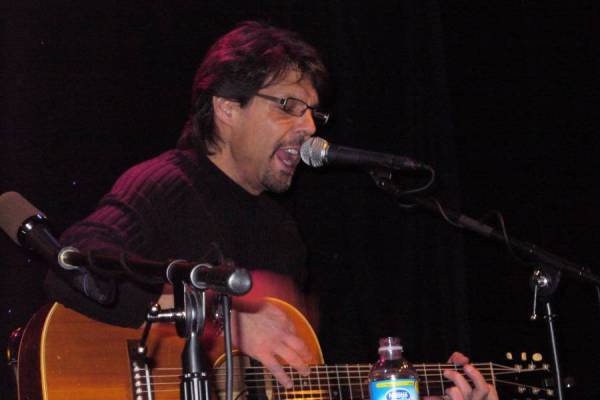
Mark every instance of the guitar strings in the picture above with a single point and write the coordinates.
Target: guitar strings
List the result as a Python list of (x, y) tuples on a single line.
[(486, 369), (285, 392), (339, 378)]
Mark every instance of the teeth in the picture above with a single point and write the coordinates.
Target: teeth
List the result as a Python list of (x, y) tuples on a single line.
[(291, 156)]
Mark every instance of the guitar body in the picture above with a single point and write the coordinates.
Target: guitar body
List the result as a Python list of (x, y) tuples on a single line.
[(67, 356)]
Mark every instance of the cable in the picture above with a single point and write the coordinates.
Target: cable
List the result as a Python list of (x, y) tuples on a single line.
[(419, 189), (598, 294), (226, 308), (426, 185)]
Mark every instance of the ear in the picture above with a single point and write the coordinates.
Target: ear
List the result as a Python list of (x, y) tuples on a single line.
[(224, 110)]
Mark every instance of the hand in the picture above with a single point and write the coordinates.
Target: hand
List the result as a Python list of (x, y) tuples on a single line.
[(260, 329), (265, 333), (481, 390)]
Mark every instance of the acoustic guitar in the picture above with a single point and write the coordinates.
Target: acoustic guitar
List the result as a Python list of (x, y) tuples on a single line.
[(66, 356)]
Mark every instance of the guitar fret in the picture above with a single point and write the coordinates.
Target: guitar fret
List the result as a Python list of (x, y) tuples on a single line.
[(349, 382), (441, 379), (318, 378), (291, 373), (360, 382), (425, 375), (328, 381), (277, 385), (337, 374), (301, 381), (309, 380), (492, 374)]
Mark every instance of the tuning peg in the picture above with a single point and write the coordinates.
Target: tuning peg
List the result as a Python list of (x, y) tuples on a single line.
[(509, 356), (537, 357), (518, 367), (523, 356)]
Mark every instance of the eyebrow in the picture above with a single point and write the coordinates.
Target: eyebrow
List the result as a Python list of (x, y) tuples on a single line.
[(285, 95), (315, 105)]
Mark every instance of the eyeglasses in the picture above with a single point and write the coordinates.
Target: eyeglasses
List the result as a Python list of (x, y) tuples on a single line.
[(297, 107)]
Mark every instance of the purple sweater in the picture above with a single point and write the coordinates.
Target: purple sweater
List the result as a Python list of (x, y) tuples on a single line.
[(178, 205)]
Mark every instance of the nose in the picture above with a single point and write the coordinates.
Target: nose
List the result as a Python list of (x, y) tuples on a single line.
[(306, 124)]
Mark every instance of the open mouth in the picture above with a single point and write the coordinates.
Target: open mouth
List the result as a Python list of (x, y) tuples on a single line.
[(289, 157)]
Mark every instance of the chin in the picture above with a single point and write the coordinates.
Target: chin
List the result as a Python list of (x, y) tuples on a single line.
[(278, 184), (279, 188)]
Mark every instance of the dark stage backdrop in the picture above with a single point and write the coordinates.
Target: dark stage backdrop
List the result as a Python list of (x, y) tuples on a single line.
[(500, 98)]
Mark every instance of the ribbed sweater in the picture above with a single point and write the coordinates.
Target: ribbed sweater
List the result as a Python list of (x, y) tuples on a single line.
[(179, 205)]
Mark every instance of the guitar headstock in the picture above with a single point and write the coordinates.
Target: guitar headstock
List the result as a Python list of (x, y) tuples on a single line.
[(531, 377)]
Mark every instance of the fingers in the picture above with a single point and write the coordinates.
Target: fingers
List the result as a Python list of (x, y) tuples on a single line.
[(280, 354), (461, 390), (482, 388), (458, 358), (273, 341), (269, 362), (479, 390), (296, 354)]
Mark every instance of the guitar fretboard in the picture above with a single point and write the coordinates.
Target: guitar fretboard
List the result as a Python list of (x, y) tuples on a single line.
[(334, 382), (346, 382)]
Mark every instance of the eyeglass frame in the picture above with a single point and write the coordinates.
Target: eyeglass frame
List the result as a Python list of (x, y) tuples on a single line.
[(321, 116)]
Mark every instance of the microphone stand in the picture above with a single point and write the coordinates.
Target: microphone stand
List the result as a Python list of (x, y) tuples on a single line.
[(545, 278), (189, 316), (194, 382)]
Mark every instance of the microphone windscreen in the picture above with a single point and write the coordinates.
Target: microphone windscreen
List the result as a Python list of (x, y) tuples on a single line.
[(314, 151), (14, 210)]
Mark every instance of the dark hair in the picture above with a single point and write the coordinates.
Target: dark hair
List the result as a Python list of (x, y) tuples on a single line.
[(245, 60)]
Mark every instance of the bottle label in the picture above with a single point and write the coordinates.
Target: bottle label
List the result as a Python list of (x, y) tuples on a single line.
[(397, 389)]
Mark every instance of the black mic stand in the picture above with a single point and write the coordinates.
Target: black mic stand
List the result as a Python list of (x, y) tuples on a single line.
[(189, 316), (194, 382), (543, 281)]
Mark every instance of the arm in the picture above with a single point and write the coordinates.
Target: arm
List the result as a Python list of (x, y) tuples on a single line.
[(264, 332), (125, 220)]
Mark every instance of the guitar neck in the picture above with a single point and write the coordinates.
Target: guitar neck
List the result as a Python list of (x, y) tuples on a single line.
[(350, 381)]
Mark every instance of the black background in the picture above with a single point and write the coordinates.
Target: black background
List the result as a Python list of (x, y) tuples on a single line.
[(501, 98)]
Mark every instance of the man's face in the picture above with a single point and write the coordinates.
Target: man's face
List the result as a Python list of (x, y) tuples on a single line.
[(264, 145)]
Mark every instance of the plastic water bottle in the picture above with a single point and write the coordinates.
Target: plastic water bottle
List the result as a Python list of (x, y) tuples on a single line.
[(392, 377)]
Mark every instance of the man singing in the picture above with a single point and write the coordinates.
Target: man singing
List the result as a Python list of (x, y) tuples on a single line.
[(255, 100)]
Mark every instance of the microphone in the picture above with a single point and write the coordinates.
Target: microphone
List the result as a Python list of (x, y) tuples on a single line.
[(28, 227), (226, 278), (223, 278), (316, 152)]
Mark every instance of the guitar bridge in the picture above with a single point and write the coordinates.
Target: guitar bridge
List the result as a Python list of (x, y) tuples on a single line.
[(139, 368)]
